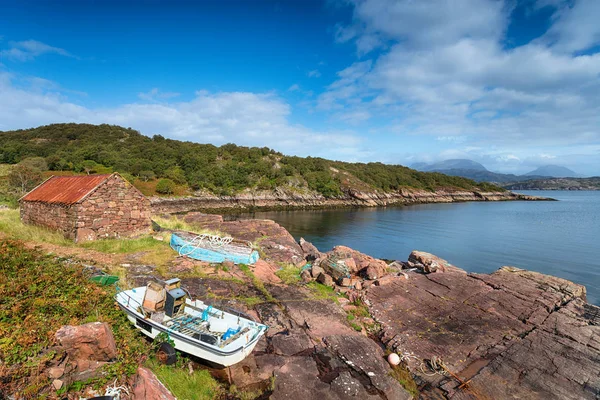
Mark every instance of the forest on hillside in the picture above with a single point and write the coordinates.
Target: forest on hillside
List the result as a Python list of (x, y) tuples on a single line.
[(224, 170)]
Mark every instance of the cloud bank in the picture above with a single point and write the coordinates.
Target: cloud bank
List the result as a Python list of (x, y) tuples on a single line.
[(445, 69)]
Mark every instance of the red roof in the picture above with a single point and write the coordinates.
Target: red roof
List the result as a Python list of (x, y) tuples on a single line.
[(65, 189)]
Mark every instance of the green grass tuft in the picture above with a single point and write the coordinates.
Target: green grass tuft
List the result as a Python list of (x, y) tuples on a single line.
[(322, 292), (10, 223), (196, 386), (289, 274), (405, 378)]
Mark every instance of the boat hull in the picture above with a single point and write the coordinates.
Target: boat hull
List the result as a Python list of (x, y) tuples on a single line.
[(227, 253), (189, 345)]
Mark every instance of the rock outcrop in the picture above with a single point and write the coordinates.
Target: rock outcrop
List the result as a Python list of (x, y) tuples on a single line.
[(147, 387), (289, 200), (88, 348), (310, 251), (510, 334), (428, 263), (359, 263), (93, 341)]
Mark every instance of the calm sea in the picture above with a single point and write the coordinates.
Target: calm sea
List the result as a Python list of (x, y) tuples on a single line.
[(558, 238)]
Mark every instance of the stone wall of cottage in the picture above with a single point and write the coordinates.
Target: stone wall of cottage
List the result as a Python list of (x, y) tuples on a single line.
[(114, 209), (57, 217)]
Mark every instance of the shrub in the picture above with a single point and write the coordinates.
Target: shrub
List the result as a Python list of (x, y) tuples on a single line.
[(147, 175), (165, 186)]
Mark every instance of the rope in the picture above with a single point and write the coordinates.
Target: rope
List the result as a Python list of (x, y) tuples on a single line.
[(114, 391), (211, 241)]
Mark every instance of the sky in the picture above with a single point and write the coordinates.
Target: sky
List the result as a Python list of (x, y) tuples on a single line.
[(512, 84)]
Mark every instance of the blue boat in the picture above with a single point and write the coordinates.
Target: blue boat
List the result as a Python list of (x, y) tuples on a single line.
[(212, 248)]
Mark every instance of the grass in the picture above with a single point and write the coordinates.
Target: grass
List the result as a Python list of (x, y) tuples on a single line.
[(176, 224), (149, 188), (289, 274), (154, 252), (39, 294), (4, 169), (256, 282), (322, 292), (196, 386), (404, 378), (122, 246), (10, 223)]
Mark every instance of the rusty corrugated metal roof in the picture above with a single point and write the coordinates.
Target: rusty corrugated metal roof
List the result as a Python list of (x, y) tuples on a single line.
[(65, 189)]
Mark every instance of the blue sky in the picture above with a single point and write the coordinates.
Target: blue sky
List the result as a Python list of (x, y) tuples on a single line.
[(512, 84)]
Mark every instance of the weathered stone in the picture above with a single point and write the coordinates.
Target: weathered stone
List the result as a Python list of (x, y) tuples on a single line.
[(344, 282), (429, 263), (310, 251), (148, 387), (373, 272), (93, 341), (359, 261), (57, 384), (316, 270), (385, 280), (204, 221), (346, 385), (365, 357), (291, 342), (265, 271), (56, 372), (513, 333), (306, 276), (351, 264), (325, 279)]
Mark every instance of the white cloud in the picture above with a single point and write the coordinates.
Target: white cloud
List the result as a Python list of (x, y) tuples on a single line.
[(244, 118), (576, 27), (27, 50), (315, 73), (443, 70)]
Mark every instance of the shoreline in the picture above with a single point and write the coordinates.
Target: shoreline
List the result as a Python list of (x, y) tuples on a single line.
[(254, 202)]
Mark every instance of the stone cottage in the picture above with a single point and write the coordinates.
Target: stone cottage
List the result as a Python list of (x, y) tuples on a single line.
[(87, 207)]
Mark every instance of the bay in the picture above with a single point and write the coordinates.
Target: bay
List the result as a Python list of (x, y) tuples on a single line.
[(560, 238)]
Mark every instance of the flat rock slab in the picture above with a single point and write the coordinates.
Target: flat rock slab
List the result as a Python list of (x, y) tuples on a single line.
[(514, 333), (366, 358), (319, 317)]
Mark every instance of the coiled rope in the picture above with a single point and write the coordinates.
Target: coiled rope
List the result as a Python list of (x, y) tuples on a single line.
[(212, 241)]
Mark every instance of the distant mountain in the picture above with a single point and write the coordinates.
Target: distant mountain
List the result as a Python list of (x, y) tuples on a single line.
[(473, 170), (455, 164), (553, 171), (487, 176), (557, 184)]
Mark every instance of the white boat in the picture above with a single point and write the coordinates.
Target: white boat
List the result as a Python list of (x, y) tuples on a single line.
[(214, 335)]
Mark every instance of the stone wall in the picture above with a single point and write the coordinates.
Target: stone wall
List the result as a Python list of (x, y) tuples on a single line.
[(114, 209), (53, 216)]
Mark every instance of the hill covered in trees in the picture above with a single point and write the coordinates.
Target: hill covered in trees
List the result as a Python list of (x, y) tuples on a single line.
[(224, 170)]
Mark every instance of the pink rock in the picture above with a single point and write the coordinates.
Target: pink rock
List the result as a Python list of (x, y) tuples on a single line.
[(148, 387), (325, 279), (93, 341), (431, 263)]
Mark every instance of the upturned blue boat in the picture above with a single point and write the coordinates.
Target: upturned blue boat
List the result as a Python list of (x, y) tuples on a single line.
[(212, 248)]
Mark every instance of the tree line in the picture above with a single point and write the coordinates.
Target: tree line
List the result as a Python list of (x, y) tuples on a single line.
[(224, 170)]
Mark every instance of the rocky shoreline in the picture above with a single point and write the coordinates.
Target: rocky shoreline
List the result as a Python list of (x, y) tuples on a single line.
[(280, 199), (509, 334), (335, 316)]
